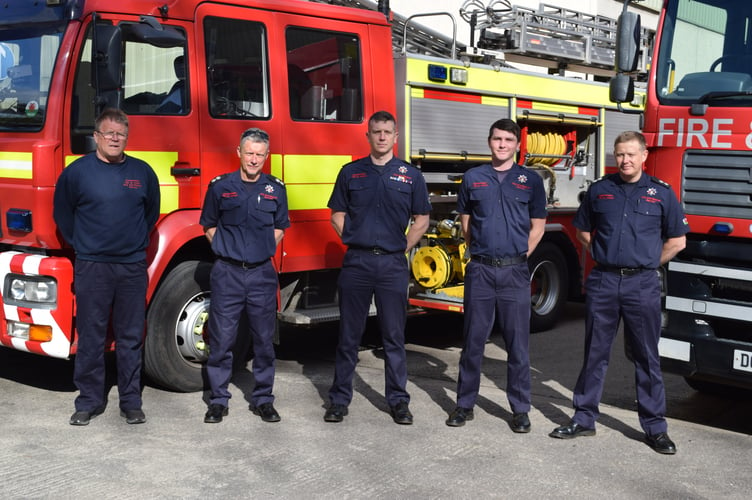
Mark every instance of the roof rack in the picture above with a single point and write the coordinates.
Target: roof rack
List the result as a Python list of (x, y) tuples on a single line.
[(563, 37), (414, 38)]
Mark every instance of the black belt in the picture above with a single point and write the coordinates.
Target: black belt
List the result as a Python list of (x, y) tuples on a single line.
[(499, 262), (240, 263), (374, 250), (624, 271)]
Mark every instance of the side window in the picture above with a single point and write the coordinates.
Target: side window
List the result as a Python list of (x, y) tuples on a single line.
[(83, 113), (155, 80), (237, 68), (324, 75)]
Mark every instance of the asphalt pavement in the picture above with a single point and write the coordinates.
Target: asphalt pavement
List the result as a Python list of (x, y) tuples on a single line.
[(175, 455)]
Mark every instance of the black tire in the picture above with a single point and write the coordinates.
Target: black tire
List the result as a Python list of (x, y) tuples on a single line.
[(549, 285), (174, 349)]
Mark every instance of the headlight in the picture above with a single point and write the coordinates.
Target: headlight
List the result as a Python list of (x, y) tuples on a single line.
[(30, 291)]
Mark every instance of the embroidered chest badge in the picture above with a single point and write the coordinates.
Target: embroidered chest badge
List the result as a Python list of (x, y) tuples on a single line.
[(401, 175), (652, 191), (522, 179), (269, 189)]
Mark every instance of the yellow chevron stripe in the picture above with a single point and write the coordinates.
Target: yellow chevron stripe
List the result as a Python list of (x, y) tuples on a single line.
[(310, 179)]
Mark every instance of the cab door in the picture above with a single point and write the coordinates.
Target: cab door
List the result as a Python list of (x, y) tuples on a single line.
[(237, 86), (149, 78)]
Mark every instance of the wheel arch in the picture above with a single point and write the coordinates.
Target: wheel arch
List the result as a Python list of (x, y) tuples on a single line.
[(176, 238), (556, 235)]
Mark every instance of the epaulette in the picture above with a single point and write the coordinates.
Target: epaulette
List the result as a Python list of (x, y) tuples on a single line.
[(219, 177), (276, 179), (358, 160), (658, 181), (601, 178)]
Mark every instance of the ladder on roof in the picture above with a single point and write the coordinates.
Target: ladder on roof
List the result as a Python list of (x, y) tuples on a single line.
[(551, 33), (418, 39), (560, 35)]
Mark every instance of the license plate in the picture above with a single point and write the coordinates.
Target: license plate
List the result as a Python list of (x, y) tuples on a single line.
[(742, 360)]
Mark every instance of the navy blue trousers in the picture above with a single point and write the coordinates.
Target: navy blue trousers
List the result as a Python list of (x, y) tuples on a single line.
[(496, 294), (235, 290), (363, 277), (637, 300), (104, 289)]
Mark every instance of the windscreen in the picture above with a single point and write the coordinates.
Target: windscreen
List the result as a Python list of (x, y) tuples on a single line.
[(27, 60), (705, 53)]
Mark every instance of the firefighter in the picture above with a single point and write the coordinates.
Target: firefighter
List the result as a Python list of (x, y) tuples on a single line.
[(502, 208), (632, 224), (244, 217), (374, 200), (105, 205)]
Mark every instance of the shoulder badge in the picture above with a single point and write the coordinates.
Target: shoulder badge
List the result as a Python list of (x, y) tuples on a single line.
[(217, 178), (276, 179), (658, 181), (601, 178)]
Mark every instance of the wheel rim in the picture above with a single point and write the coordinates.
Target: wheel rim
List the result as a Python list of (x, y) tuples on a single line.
[(190, 329), (545, 287)]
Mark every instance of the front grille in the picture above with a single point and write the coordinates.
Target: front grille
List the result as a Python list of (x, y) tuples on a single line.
[(718, 184), (730, 329)]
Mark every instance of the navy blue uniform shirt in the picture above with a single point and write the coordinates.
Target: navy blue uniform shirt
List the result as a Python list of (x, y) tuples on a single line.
[(107, 210), (245, 215), (379, 202), (500, 213), (629, 227)]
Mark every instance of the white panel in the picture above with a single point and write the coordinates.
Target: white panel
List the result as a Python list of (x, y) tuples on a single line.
[(704, 270), (674, 349), (726, 311)]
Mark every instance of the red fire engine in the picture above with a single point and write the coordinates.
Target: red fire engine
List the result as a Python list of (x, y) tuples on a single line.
[(193, 74), (697, 122)]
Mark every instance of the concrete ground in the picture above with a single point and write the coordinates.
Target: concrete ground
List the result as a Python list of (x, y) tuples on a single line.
[(176, 455)]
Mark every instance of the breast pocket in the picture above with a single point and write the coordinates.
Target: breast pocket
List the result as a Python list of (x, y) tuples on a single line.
[(232, 211), (483, 200), (606, 206), (648, 217), (265, 211), (399, 193), (522, 196), (360, 194)]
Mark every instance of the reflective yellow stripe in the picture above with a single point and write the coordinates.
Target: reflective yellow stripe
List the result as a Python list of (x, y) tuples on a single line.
[(276, 167), (15, 165), (307, 169), (523, 85), (309, 179), (558, 108), (161, 162), (308, 196), (494, 101), (71, 158)]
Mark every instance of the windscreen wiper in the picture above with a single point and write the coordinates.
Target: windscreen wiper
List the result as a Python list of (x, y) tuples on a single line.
[(718, 95)]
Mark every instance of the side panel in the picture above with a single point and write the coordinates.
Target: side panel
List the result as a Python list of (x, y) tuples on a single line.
[(449, 122)]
